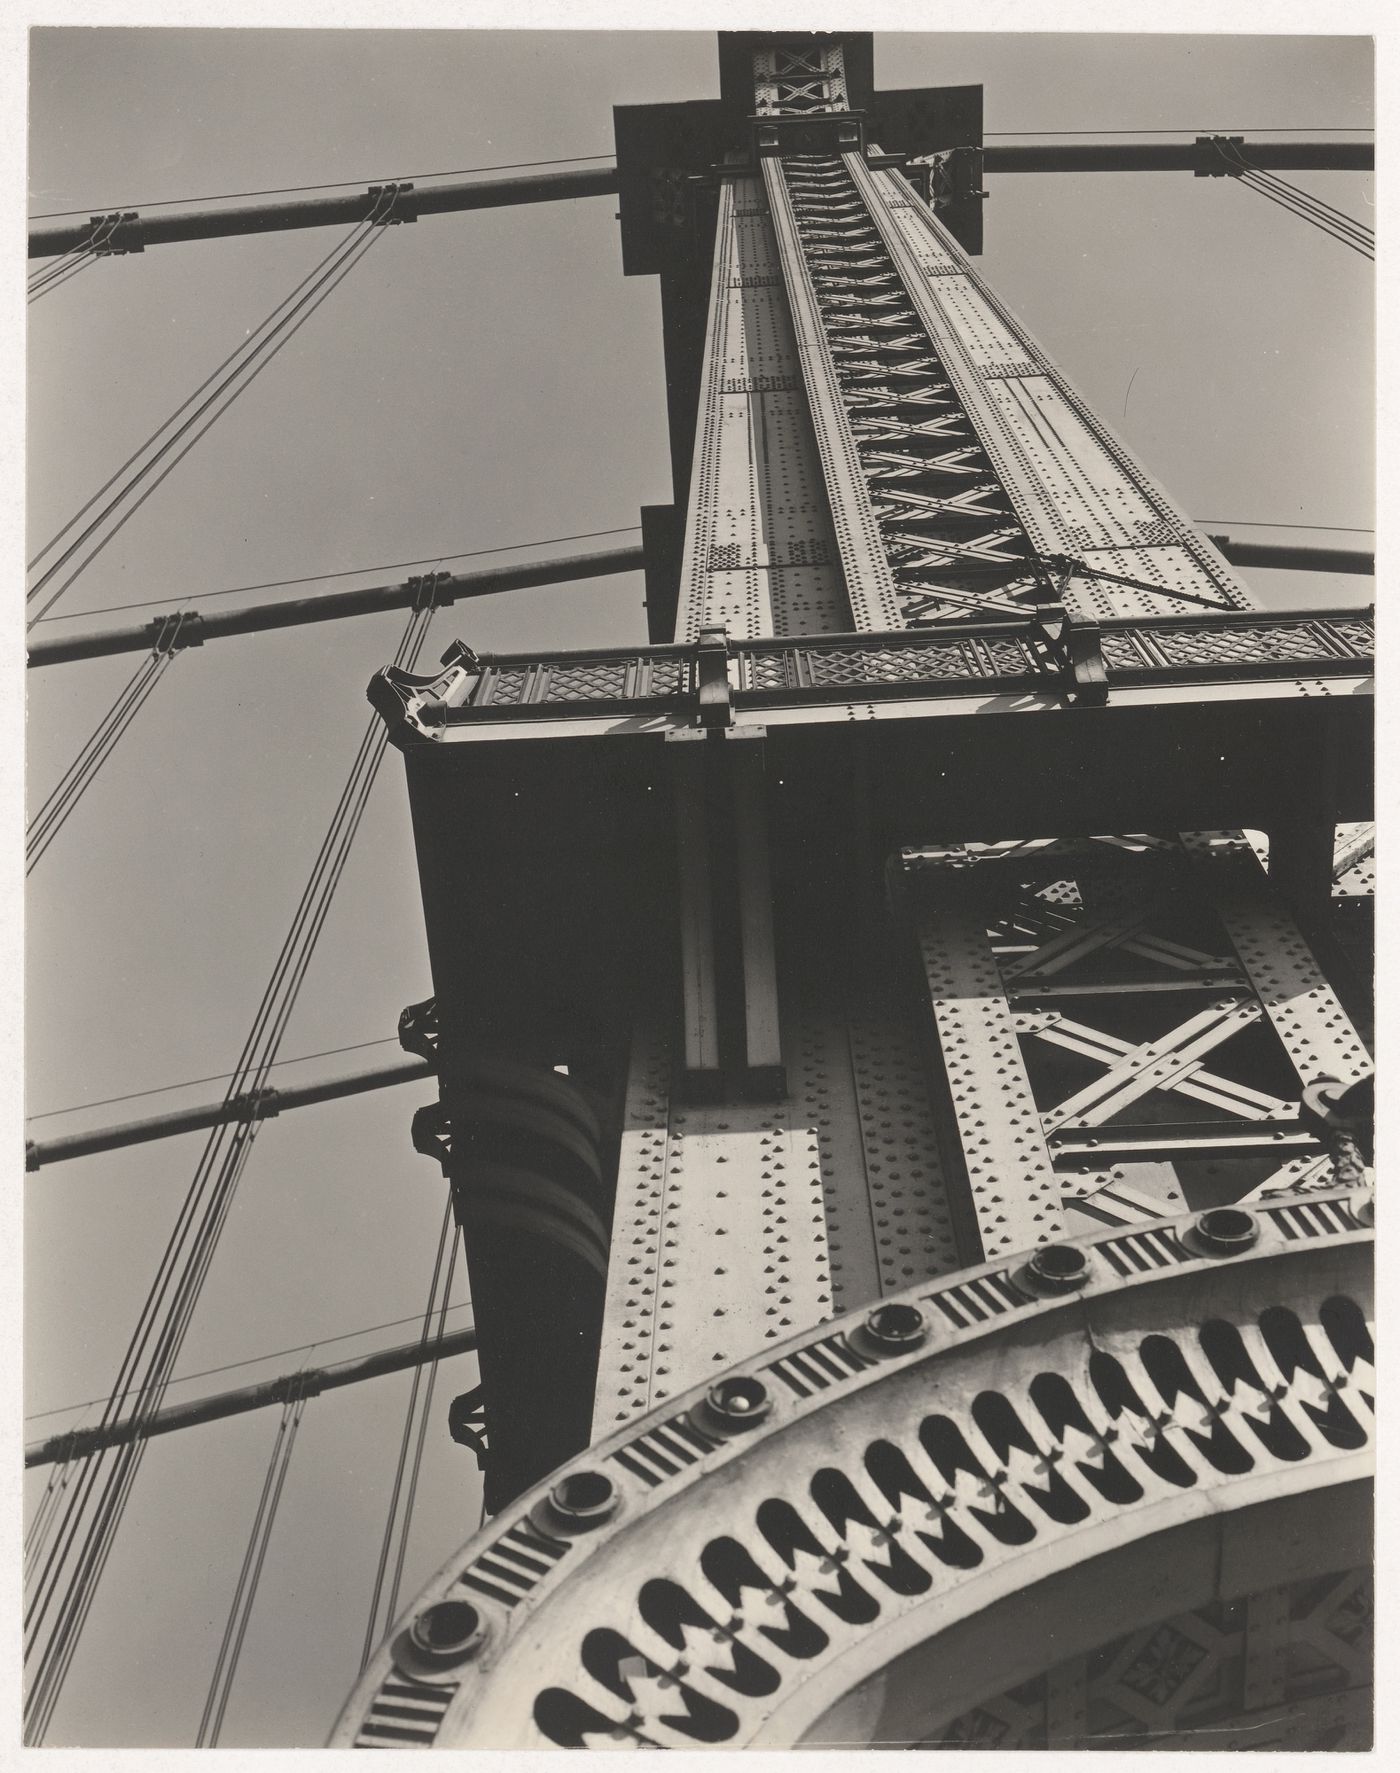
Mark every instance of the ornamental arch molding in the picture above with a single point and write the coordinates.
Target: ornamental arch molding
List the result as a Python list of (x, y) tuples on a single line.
[(950, 1495)]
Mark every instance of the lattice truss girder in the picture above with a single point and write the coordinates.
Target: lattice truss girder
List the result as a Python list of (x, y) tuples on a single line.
[(799, 79), (1281, 1669), (1123, 1029), (976, 461)]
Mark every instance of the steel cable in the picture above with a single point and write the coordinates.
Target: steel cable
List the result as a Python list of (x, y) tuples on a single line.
[(93, 1556), (238, 380), (249, 1575), (64, 262), (350, 572), (1360, 230), (392, 1605), (72, 261), (93, 1513), (1333, 222), (1307, 214), (373, 1629), (57, 809), (243, 345), (39, 289), (259, 363), (1329, 209)]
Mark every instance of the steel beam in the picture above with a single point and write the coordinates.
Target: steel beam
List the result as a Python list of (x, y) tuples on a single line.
[(256, 1105), (1175, 157), (306, 1383), (1295, 559), (135, 232), (194, 628)]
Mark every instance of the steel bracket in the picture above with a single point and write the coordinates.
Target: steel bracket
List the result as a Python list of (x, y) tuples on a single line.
[(1083, 642), (815, 132), (712, 686), (113, 243), (1212, 162), (395, 193), (427, 589), (419, 1030), (432, 1133), (176, 630)]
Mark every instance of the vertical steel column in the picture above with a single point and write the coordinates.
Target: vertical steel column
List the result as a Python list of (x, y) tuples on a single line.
[(695, 892), (1010, 1197), (759, 557), (763, 1053)]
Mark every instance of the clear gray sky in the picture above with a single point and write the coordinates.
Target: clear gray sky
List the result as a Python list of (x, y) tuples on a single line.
[(481, 380)]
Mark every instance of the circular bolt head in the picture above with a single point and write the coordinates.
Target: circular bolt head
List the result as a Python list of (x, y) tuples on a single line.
[(586, 1498), (896, 1327), (1226, 1231), (1058, 1268), (739, 1401), (447, 1632)]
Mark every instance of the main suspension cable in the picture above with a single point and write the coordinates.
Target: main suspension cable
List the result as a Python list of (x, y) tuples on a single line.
[(351, 572), (66, 1583)]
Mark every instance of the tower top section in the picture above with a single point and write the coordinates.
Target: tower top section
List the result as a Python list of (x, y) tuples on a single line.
[(780, 92)]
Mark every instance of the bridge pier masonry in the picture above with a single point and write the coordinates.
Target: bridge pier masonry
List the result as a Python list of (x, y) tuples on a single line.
[(902, 1059)]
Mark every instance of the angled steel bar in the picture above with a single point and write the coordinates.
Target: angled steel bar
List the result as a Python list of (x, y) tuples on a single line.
[(1174, 157), (306, 1383), (443, 588), (134, 232), (1293, 559), (260, 1106)]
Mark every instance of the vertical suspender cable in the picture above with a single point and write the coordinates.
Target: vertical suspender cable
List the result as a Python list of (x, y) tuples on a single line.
[(248, 361), (1333, 222), (391, 1606), (66, 1580), (81, 773), (374, 1629), (249, 1575), (76, 259)]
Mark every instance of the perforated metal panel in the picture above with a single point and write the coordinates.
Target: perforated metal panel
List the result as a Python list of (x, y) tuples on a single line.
[(759, 556), (736, 1225)]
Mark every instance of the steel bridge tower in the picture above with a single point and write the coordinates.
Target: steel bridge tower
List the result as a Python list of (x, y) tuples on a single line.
[(903, 1064)]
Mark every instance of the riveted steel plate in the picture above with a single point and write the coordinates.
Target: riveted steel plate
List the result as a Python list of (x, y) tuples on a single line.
[(759, 556), (1317, 1035), (1072, 484)]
